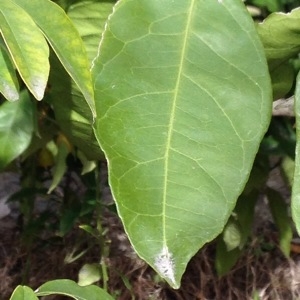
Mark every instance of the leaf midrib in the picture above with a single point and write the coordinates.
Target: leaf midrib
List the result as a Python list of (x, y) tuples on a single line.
[(172, 118)]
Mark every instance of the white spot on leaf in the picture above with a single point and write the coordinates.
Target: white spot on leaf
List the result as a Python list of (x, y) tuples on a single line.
[(165, 264)]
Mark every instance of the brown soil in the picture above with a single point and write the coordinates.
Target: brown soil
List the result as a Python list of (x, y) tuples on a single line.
[(265, 273)]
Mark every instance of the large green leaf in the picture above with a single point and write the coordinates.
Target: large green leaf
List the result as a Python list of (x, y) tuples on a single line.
[(183, 99), (27, 46), (65, 41), (70, 288), (16, 128)]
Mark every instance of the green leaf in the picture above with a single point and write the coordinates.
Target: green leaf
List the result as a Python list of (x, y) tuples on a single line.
[(16, 128), (70, 288), (9, 86), (232, 235), (280, 36), (88, 274), (65, 41), (183, 98), (60, 166), (89, 18), (225, 259), (282, 220), (27, 46), (72, 112), (23, 293)]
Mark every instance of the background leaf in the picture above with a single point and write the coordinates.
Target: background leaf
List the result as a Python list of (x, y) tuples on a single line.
[(23, 293), (295, 201), (172, 81), (16, 128), (65, 41), (279, 210), (70, 288), (9, 86), (27, 46)]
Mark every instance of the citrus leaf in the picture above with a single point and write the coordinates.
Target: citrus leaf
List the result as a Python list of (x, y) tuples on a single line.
[(70, 288), (282, 220), (16, 128), (23, 293), (183, 98), (65, 41), (89, 18), (9, 86), (280, 36), (27, 46)]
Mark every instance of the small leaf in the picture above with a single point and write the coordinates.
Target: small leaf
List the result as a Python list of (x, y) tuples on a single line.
[(70, 288), (16, 128), (9, 86), (23, 293), (232, 235), (88, 274), (60, 165), (27, 46), (225, 259), (282, 220), (65, 41)]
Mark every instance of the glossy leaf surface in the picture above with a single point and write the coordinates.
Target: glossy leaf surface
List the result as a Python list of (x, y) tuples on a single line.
[(182, 99), (27, 46), (71, 289), (65, 41), (9, 86), (16, 128)]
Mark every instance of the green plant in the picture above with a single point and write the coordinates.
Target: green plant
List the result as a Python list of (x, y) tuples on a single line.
[(179, 97)]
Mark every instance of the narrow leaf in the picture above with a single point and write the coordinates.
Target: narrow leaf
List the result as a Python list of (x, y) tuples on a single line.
[(282, 220), (295, 201), (23, 293), (65, 41), (27, 46), (183, 99), (16, 128), (9, 86), (70, 288)]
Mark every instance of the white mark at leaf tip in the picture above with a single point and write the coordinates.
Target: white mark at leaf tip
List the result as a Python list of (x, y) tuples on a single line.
[(164, 263), (220, 1)]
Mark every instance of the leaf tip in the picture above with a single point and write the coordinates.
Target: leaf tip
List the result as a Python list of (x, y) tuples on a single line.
[(164, 264)]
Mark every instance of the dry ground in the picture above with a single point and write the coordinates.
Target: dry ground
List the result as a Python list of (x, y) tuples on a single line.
[(261, 273)]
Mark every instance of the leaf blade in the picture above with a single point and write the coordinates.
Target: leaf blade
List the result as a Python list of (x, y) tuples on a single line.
[(27, 47), (162, 108), (65, 41)]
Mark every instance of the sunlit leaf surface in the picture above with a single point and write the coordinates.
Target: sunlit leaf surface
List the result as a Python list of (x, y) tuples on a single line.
[(183, 99), (27, 46), (65, 41)]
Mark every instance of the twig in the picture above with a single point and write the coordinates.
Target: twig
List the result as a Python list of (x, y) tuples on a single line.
[(284, 107)]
